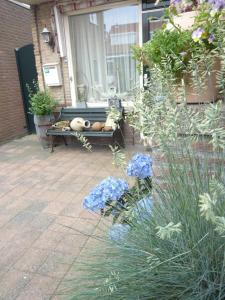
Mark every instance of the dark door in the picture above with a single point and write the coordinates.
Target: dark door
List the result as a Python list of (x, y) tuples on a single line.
[(27, 75), (152, 20)]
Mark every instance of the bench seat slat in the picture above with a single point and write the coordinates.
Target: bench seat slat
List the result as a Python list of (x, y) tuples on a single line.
[(84, 133), (91, 118)]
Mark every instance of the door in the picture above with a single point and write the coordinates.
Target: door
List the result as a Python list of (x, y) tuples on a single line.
[(27, 76), (152, 20)]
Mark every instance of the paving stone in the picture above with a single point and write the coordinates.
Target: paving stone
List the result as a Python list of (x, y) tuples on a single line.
[(72, 243), (43, 226), (9, 255), (31, 260), (57, 264), (12, 283), (42, 221), (39, 288), (49, 239)]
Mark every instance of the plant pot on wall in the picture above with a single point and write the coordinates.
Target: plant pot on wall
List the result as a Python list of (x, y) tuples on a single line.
[(42, 123), (209, 92)]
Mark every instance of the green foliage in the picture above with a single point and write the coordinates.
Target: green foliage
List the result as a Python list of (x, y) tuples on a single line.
[(83, 140), (158, 117), (176, 253), (41, 102), (174, 45)]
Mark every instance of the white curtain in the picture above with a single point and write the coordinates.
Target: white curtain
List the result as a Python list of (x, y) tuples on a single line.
[(101, 48)]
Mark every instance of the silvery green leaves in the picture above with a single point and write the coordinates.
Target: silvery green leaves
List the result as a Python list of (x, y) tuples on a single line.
[(166, 121), (166, 232), (84, 141), (212, 204), (119, 158)]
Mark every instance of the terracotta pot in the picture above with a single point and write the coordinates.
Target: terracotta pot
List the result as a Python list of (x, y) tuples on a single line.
[(209, 93)]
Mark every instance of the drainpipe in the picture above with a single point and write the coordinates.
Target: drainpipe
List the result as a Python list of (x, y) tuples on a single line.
[(34, 7)]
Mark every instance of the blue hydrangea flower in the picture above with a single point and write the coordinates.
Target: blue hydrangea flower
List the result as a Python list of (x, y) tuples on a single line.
[(140, 166), (109, 189), (114, 188), (94, 201), (118, 232)]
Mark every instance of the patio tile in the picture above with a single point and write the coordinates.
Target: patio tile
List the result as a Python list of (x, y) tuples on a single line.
[(12, 283), (31, 260), (49, 239), (39, 288), (43, 227), (72, 243), (57, 264), (9, 255), (55, 207), (42, 221)]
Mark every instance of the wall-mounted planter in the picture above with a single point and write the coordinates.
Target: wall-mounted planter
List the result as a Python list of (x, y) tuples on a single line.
[(209, 93)]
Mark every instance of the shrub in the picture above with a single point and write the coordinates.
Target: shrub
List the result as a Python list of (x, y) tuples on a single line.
[(42, 103)]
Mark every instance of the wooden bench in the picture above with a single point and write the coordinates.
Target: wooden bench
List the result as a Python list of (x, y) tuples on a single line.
[(113, 137)]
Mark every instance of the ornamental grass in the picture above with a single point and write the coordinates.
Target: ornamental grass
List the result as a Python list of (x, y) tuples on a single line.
[(177, 251)]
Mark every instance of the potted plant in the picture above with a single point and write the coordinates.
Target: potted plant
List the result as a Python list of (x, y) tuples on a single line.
[(189, 50), (42, 105)]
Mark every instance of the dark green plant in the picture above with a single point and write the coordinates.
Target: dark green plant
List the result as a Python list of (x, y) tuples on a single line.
[(41, 102), (175, 47)]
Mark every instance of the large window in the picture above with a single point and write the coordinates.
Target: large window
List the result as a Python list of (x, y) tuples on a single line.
[(101, 50)]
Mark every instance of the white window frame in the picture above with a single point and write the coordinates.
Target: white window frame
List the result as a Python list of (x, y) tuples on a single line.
[(72, 76)]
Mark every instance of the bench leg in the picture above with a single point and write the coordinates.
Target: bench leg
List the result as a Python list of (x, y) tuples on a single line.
[(64, 139), (52, 143)]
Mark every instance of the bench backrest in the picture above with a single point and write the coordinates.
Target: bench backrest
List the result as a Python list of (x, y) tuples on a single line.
[(91, 114)]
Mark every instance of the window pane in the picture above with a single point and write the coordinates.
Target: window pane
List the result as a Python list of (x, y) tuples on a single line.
[(101, 47)]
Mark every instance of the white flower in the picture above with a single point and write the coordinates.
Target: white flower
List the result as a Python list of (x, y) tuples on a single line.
[(169, 26)]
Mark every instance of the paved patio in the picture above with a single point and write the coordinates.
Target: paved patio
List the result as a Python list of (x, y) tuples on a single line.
[(41, 198)]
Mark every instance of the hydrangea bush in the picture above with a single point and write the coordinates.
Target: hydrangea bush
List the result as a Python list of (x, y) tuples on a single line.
[(113, 196), (140, 166)]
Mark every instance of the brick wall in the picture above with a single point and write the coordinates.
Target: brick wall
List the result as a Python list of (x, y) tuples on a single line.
[(15, 32), (41, 17)]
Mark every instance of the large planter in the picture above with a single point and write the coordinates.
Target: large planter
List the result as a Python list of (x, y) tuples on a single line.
[(42, 123), (209, 93)]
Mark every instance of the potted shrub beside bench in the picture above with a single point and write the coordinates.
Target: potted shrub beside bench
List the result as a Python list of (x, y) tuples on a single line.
[(42, 105)]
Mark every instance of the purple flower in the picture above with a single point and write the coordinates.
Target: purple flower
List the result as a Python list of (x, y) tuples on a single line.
[(175, 2), (140, 166), (211, 38), (197, 34), (217, 4)]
